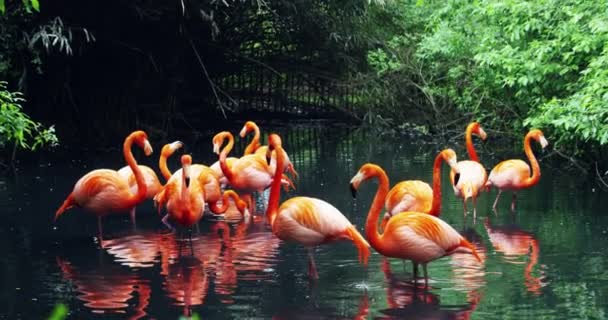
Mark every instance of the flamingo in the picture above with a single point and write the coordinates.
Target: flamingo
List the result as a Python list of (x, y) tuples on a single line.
[(410, 235), (254, 147), (105, 191), (308, 221), (416, 195), (472, 176), (247, 174), (152, 183), (514, 174), (233, 208), (184, 198)]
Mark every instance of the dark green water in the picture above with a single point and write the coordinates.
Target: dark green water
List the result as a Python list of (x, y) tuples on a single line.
[(548, 260)]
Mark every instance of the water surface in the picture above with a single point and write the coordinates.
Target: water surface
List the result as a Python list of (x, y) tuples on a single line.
[(546, 260)]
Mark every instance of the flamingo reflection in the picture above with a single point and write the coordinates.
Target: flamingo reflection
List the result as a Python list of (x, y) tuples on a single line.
[(514, 243), (406, 299), (187, 283), (108, 288)]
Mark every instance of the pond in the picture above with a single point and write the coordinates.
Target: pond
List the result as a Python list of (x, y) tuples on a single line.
[(546, 260)]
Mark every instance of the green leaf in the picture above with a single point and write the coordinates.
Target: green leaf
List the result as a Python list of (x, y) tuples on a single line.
[(2, 8), (36, 5)]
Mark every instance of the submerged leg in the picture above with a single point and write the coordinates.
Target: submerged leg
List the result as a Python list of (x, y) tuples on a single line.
[(496, 201), (190, 241), (474, 200), (100, 231), (165, 221), (513, 201), (415, 270), (312, 267), (132, 212)]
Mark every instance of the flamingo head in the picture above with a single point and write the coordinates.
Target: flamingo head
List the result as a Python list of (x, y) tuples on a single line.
[(538, 135), (478, 130), (141, 139), (449, 156), (248, 127), (218, 140), (170, 148), (274, 143), (186, 163), (364, 173)]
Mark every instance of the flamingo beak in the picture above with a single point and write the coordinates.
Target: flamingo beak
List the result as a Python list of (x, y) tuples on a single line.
[(291, 170), (482, 134), (243, 132), (543, 142), (147, 148), (453, 163), (456, 178), (353, 191), (354, 183), (216, 148), (176, 145)]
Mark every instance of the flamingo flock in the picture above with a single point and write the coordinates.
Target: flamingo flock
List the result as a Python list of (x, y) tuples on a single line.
[(411, 227)]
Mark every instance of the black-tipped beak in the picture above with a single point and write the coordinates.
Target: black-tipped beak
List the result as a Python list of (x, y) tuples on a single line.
[(268, 158), (187, 182), (456, 178), (353, 191)]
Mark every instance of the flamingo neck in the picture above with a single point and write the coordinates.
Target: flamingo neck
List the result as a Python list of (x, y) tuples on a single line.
[(436, 204), (223, 156), (162, 164), (469, 143), (530, 181), (139, 176), (275, 187), (222, 208), (255, 142), (371, 225)]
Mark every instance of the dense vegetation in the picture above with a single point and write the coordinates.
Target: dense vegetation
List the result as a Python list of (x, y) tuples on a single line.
[(512, 65)]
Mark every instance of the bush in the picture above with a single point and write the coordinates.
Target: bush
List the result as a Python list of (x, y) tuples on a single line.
[(17, 129)]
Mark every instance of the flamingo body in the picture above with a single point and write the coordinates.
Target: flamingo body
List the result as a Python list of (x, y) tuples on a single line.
[(151, 179), (509, 174), (102, 191), (409, 195), (473, 176)]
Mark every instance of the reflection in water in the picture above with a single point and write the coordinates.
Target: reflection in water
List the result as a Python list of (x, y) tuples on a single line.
[(187, 283), (407, 299), (107, 288), (469, 274), (314, 311), (514, 242)]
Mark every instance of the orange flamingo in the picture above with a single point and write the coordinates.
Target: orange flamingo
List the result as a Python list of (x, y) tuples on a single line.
[(514, 174), (514, 242), (233, 208), (416, 195), (184, 198), (165, 153), (410, 235), (472, 176), (247, 174), (254, 147), (308, 221), (152, 183), (105, 191)]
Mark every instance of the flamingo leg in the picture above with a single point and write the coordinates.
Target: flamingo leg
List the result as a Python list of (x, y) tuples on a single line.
[(474, 200), (132, 213), (464, 205), (415, 270), (312, 268), (513, 201), (100, 231), (165, 221), (426, 275), (190, 241), (496, 201)]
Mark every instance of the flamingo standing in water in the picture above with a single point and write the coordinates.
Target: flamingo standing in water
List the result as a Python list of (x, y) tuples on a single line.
[(514, 174), (105, 191), (410, 235), (233, 208), (254, 147), (152, 183), (247, 174), (472, 175), (416, 195), (308, 221)]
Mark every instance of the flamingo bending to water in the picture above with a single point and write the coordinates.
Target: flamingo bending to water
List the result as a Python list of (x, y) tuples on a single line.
[(105, 191), (472, 176), (410, 235), (514, 174), (416, 195), (308, 221), (254, 147)]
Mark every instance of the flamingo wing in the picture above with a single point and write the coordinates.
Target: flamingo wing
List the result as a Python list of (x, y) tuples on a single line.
[(509, 174), (409, 195)]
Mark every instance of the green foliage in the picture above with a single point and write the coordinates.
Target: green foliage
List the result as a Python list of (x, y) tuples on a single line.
[(60, 312), (509, 63), (17, 128)]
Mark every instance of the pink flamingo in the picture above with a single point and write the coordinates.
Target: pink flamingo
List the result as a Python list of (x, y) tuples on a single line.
[(514, 174), (415, 236), (254, 147), (308, 221), (104, 191)]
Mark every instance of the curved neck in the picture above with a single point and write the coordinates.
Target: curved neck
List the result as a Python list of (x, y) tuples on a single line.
[(223, 207), (469, 144), (255, 142), (371, 225), (223, 155), (436, 205), (530, 181), (275, 187), (162, 164), (139, 176)]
